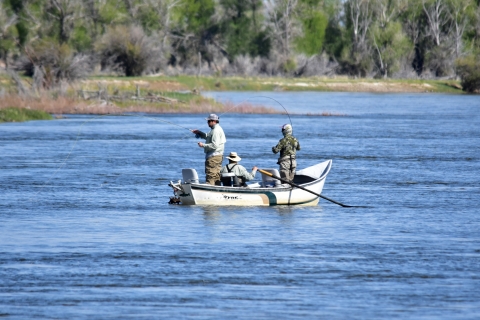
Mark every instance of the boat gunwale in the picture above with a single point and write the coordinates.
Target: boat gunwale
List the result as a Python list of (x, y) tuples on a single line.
[(207, 187)]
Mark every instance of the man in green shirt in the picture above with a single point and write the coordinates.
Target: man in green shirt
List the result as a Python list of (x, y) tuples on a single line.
[(213, 147), (287, 146)]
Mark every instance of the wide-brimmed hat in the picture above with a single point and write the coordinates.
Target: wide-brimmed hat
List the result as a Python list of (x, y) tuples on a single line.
[(234, 157), (212, 116)]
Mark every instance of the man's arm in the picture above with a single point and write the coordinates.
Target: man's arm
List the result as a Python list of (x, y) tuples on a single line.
[(247, 175), (278, 147)]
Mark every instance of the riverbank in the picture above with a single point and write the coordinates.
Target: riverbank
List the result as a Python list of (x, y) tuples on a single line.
[(333, 84), (182, 94)]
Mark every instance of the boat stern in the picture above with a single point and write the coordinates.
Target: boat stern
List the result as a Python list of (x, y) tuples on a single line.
[(182, 193)]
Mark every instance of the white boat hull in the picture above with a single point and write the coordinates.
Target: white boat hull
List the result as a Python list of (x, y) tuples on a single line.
[(204, 194)]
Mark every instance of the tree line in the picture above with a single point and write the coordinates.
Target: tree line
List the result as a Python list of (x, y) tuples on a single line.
[(62, 40)]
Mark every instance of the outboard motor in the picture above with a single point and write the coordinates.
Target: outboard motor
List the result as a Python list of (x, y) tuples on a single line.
[(189, 176)]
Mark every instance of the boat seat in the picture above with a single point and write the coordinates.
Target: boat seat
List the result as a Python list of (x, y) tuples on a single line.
[(254, 185), (269, 181), (227, 179), (190, 176)]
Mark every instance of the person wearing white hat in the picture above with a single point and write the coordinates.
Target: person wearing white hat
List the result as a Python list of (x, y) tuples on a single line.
[(241, 174), (213, 147), (287, 146)]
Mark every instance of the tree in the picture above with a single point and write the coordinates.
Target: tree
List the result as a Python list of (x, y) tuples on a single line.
[(194, 36), (359, 19), (64, 14), (446, 22), (281, 14), (438, 18), (241, 29), (314, 24), (460, 15), (336, 38), (361, 16), (8, 32), (390, 45), (102, 14), (413, 22), (157, 16)]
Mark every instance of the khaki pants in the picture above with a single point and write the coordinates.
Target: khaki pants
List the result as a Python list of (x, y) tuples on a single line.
[(213, 165)]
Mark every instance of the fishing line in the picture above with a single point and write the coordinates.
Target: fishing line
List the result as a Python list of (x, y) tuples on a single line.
[(139, 163), (174, 142), (155, 119), (32, 198), (290, 119), (68, 155)]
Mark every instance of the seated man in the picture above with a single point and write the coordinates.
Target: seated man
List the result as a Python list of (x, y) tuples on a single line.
[(241, 174)]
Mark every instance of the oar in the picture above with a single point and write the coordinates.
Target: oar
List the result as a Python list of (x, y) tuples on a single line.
[(300, 187)]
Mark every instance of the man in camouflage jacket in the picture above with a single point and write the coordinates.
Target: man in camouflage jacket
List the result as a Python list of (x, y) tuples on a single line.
[(287, 146)]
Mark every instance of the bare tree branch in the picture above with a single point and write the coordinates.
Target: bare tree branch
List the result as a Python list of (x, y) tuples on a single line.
[(436, 19)]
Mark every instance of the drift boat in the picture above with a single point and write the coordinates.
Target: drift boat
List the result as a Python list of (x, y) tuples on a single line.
[(269, 192)]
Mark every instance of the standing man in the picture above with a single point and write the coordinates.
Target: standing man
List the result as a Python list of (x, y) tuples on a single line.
[(213, 147), (287, 146)]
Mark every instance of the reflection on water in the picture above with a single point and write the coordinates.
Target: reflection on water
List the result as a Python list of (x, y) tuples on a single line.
[(87, 231), (211, 214)]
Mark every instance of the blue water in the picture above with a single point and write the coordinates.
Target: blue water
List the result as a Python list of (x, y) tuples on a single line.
[(86, 231)]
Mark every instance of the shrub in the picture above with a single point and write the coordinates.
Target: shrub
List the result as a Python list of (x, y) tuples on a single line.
[(288, 66), (440, 61), (20, 114), (469, 71), (129, 50), (50, 64)]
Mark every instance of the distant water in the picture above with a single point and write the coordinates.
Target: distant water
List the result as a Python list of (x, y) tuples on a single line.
[(86, 231)]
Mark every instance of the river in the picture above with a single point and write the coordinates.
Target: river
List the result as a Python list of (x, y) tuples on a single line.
[(86, 231)]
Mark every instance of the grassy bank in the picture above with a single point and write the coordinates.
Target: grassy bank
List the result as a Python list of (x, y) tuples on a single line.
[(334, 84), (181, 94), (21, 114)]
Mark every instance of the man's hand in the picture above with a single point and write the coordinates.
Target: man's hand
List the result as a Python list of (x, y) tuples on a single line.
[(195, 131), (254, 168), (200, 144)]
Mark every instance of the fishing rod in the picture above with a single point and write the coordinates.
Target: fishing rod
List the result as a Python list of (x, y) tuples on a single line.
[(160, 120), (227, 111), (62, 164)]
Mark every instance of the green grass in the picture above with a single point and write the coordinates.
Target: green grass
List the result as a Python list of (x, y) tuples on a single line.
[(205, 83), (19, 115), (237, 83)]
